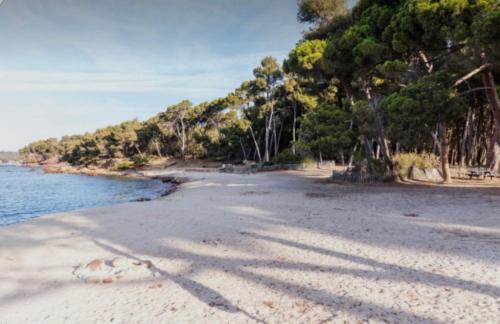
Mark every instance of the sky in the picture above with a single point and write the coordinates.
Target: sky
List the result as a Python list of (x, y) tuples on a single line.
[(71, 66)]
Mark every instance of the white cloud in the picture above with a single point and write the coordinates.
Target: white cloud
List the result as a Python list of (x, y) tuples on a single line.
[(212, 74), (27, 81), (68, 66)]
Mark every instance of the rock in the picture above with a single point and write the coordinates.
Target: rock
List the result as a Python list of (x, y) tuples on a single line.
[(231, 168), (95, 265), (143, 199), (227, 168), (164, 178), (179, 180), (170, 190), (426, 175), (433, 175)]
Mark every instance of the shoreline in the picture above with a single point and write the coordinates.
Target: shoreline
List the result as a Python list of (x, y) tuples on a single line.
[(170, 184)]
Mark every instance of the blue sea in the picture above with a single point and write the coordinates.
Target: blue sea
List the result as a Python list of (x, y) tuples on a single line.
[(27, 193)]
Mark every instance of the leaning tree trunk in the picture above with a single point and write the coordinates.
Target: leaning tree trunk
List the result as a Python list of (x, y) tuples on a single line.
[(157, 146), (139, 150), (351, 158), (445, 150), (493, 161), (257, 149)]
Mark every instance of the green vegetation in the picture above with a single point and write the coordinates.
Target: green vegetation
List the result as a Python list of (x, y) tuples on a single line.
[(287, 157), (362, 86)]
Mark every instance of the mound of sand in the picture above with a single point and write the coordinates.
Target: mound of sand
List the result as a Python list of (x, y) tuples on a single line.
[(108, 271)]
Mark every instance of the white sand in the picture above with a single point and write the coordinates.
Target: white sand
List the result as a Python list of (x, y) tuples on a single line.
[(275, 248)]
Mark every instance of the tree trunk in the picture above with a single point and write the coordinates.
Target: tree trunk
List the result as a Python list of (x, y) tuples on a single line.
[(377, 152), (351, 158), (445, 148), (275, 138), (138, 150), (465, 138), (267, 139), (157, 146), (493, 162), (368, 148), (437, 144), (320, 161), (294, 126), (257, 149), (471, 140), (183, 142), (243, 149), (373, 102)]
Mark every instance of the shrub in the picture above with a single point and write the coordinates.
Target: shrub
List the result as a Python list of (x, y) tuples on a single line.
[(140, 161), (405, 161), (287, 157), (309, 161), (123, 165)]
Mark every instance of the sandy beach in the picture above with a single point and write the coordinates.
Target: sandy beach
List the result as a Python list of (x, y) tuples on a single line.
[(281, 247)]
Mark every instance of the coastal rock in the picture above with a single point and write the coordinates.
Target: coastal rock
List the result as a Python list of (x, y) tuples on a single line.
[(164, 178), (179, 180), (143, 199), (169, 191), (427, 175)]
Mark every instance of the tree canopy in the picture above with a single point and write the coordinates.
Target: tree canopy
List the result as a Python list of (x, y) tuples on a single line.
[(380, 79)]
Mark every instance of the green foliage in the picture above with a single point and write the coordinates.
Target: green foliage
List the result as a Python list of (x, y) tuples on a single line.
[(306, 56), (140, 161), (486, 32), (412, 111), (320, 11), (42, 150), (287, 157), (123, 165), (360, 84), (325, 130)]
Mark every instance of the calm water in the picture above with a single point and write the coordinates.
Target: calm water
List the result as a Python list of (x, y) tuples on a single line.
[(26, 194)]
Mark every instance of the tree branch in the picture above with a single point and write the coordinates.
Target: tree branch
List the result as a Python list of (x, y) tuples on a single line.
[(480, 69), (428, 65)]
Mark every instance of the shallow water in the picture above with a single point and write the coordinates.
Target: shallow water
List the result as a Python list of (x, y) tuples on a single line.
[(26, 193)]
